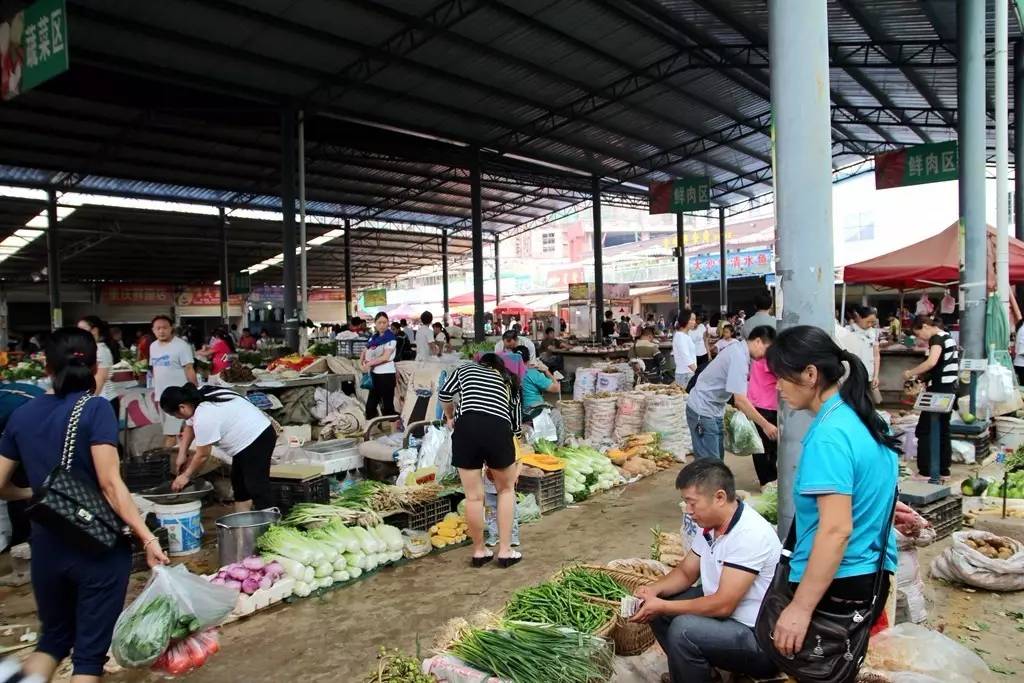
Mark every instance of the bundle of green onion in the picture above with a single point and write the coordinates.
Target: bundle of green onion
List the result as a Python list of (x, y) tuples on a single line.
[(592, 583), (536, 653), (559, 605), (317, 514)]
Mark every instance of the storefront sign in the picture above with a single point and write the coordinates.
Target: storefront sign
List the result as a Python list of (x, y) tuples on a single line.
[(267, 293), (137, 295), (696, 238), (201, 295), (917, 165), (33, 47), (679, 196), (706, 267), (327, 295), (240, 283), (375, 298), (580, 291), (584, 291)]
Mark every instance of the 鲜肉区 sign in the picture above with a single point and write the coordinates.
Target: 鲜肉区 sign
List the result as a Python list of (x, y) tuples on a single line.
[(374, 298), (33, 47), (917, 165), (678, 196), (137, 295), (705, 267)]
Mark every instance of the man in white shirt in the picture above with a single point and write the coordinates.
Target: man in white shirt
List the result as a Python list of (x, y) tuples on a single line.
[(424, 336), (711, 626), (171, 362), (683, 351), (510, 340)]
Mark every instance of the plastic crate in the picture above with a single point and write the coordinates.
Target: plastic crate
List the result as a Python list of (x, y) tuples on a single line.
[(549, 490), (424, 515), (139, 553), (145, 471), (286, 493), (945, 516)]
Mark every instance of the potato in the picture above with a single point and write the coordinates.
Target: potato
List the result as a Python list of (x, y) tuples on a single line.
[(971, 543)]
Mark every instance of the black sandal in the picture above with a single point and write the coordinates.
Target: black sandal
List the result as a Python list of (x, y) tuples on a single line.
[(506, 562), (481, 561)]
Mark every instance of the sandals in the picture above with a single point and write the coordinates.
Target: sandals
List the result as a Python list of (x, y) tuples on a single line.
[(481, 561), (515, 558)]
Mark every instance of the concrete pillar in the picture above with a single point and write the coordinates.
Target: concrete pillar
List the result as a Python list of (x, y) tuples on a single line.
[(1001, 56), (497, 270), (291, 321), (224, 274), (444, 275), (802, 170), (598, 259), (723, 279), (1018, 147), (476, 213), (348, 271), (53, 260), (680, 265), (971, 106)]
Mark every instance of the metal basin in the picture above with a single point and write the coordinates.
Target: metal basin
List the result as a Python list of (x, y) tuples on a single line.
[(238, 532), (163, 495)]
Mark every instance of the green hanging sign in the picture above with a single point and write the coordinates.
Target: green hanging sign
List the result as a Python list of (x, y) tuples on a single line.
[(33, 47), (917, 165), (680, 196)]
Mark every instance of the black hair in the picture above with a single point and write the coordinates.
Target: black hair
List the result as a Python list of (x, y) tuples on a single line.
[(862, 311), (380, 315), (246, 329), (404, 322), (510, 334), (709, 476), (730, 327), (225, 336), (70, 360), (188, 393), (922, 320), (426, 317), (798, 347), (396, 324), (493, 361), (524, 352), (234, 326), (162, 317), (647, 330), (608, 315), (766, 334), (684, 318), (549, 330), (102, 330)]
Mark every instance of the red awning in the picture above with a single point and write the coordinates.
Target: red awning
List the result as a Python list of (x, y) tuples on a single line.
[(935, 260), (467, 298)]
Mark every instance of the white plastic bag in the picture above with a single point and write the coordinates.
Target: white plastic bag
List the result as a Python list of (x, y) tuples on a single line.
[(999, 381), (436, 450), (900, 649), (963, 451), (172, 597), (741, 437), (544, 428), (963, 564), (6, 530)]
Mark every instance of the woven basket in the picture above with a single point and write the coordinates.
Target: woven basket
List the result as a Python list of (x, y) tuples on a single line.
[(630, 639)]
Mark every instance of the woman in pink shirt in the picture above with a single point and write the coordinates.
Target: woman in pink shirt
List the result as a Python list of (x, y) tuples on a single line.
[(220, 350), (762, 392)]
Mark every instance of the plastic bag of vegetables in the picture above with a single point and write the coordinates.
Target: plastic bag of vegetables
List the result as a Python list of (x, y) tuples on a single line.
[(174, 603), (741, 437)]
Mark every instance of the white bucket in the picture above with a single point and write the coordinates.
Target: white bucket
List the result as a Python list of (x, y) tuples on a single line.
[(183, 524), (1009, 432)]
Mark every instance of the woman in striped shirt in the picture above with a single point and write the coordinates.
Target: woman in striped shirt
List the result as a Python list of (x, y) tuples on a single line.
[(485, 422), (942, 369)]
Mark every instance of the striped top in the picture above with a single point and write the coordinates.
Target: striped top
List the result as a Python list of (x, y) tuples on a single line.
[(944, 375), (482, 390)]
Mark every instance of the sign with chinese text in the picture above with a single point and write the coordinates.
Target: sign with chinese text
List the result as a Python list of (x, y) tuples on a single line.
[(706, 267), (917, 165), (580, 291), (328, 295), (375, 298), (137, 295), (199, 295), (240, 283), (679, 196), (33, 47), (584, 291), (694, 238)]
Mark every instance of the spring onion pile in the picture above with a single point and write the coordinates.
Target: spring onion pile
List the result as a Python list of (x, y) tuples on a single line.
[(593, 583), (536, 653), (377, 497), (559, 605), (318, 514)]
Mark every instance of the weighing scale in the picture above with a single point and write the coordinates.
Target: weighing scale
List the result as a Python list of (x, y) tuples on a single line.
[(935, 404)]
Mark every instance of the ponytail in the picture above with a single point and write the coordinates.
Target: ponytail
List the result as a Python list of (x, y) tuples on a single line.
[(494, 362), (188, 394), (798, 347), (71, 361)]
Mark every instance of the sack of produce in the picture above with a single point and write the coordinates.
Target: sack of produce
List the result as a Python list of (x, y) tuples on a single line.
[(982, 560), (610, 381), (665, 414), (572, 415), (741, 437), (585, 384), (900, 651), (911, 604), (599, 422), (175, 603), (652, 569), (629, 414)]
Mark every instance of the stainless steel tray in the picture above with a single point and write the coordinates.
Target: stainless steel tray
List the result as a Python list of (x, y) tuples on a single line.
[(163, 495)]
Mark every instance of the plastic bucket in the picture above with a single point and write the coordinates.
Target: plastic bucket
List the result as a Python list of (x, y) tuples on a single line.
[(183, 524), (238, 532)]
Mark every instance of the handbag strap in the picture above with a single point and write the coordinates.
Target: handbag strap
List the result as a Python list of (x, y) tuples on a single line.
[(886, 533), (71, 434)]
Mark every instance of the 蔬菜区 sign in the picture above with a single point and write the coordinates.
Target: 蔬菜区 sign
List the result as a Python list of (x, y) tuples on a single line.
[(33, 47), (679, 196), (917, 165)]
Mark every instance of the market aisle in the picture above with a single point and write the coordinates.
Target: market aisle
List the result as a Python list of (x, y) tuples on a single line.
[(335, 637)]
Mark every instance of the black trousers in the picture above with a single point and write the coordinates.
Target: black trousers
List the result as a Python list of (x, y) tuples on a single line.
[(381, 400), (924, 444), (766, 464)]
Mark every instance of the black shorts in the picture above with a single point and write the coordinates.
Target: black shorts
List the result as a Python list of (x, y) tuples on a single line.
[(481, 439), (250, 470)]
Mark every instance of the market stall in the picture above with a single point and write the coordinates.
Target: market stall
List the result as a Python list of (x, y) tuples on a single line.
[(579, 356)]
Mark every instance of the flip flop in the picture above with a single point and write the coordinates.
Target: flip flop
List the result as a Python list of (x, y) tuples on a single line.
[(515, 558), (481, 561)]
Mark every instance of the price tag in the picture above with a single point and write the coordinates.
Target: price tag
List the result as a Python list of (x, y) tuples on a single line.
[(933, 402)]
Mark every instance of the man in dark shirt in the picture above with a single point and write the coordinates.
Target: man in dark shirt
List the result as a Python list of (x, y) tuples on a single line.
[(608, 326)]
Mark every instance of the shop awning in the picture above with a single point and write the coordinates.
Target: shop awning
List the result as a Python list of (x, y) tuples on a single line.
[(547, 302), (932, 261), (467, 298), (513, 306)]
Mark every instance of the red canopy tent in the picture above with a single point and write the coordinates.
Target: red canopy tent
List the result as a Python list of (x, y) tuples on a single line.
[(513, 306), (932, 261), (467, 298)]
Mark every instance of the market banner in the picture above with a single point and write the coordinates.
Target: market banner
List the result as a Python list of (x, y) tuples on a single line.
[(917, 165), (33, 47), (680, 196), (137, 295), (693, 238), (326, 294), (580, 291), (707, 267), (375, 298)]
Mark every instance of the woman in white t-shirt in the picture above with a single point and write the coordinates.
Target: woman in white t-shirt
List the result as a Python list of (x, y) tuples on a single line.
[(220, 417), (378, 360), (699, 335), (104, 357), (865, 328)]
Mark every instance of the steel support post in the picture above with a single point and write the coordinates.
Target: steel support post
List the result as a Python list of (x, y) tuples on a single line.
[(971, 107), (291, 321), (348, 271), (53, 260), (497, 270), (225, 313), (723, 280), (1001, 56), (680, 266), (477, 216), (444, 276), (303, 308), (1018, 147), (598, 260), (802, 169)]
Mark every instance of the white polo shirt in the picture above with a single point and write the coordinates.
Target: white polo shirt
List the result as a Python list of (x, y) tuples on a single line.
[(750, 545)]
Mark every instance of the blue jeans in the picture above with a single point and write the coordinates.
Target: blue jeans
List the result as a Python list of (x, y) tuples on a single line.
[(694, 645), (706, 434)]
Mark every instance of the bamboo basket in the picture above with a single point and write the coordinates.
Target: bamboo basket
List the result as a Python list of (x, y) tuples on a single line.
[(630, 639)]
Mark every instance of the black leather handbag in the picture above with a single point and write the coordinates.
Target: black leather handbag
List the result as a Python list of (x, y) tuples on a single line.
[(836, 641), (70, 505)]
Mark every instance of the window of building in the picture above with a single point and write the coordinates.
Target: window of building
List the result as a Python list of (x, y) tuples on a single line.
[(858, 226), (548, 242)]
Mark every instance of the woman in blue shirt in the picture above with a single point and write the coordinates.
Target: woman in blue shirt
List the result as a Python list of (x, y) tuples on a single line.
[(844, 484), (536, 382), (79, 594)]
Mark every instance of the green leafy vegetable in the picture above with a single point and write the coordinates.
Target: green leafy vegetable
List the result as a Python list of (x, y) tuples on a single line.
[(145, 634)]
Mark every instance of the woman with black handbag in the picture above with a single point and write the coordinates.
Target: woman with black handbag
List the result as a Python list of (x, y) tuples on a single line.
[(816, 618), (67, 443)]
